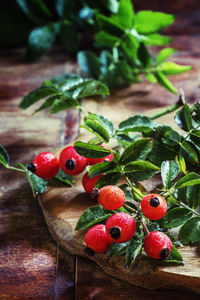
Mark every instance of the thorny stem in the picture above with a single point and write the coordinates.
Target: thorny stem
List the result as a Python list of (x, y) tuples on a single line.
[(189, 208), (169, 109), (145, 227)]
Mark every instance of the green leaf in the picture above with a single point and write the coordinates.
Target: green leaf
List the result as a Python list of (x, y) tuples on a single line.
[(69, 37), (101, 168), (41, 40), (97, 129), (125, 14), (112, 5), (110, 26), (133, 250), (117, 249), (193, 196), (136, 151), (144, 56), (48, 102), (190, 231), (137, 123), (108, 125), (174, 257), (130, 48), (89, 150), (156, 39), (164, 81), (65, 178), (36, 95), (183, 118), (176, 217), (188, 152), (169, 171), (150, 77), (106, 39), (161, 152), (4, 157), (36, 10), (188, 180), (164, 54), (65, 8), (89, 63), (93, 215), (111, 178), (140, 170), (195, 136), (90, 88), (38, 185), (63, 103), (171, 68), (148, 22)]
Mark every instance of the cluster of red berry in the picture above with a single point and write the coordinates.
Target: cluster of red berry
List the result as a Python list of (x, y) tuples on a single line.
[(121, 226)]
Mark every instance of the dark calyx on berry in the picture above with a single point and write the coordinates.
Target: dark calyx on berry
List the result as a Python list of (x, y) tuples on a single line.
[(95, 193), (154, 202), (70, 164), (31, 167), (89, 251), (115, 232), (164, 253)]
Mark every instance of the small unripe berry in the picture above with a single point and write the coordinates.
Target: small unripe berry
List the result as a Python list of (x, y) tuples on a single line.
[(154, 206), (89, 183), (157, 245), (94, 161), (120, 227), (96, 239), (111, 197), (71, 162), (45, 165)]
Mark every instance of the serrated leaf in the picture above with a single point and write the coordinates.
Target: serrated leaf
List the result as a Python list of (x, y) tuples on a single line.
[(125, 14), (183, 118), (193, 196), (140, 170), (38, 185), (4, 157), (148, 22), (176, 217), (171, 68), (89, 63), (188, 152), (63, 103), (136, 151), (103, 120), (150, 77), (89, 150), (157, 39), (93, 215), (195, 136), (117, 249), (101, 168), (106, 39), (137, 123), (130, 48), (109, 25), (111, 178), (91, 88), (169, 171), (188, 180), (190, 231), (133, 250), (161, 152), (36, 95), (174, 257), (164, 81), (41, 40), (65, 178), (97, 129), (164, 54)]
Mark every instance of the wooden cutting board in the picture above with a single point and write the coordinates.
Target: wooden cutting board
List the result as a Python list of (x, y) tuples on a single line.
[(63, 206)]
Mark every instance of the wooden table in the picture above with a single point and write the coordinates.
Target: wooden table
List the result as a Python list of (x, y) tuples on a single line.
[(32, 266)]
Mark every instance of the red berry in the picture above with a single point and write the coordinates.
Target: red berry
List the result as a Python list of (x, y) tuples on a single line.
[(111, 197), (120, 227), (71, 162), (89, 183), (94, 161), (154, 206), (157, 245), (45, 165), (96, 239)]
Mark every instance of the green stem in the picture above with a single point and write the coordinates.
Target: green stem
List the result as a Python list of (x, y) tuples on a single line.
[(166, 111), (189, 208), (15, 169), (130, 208)]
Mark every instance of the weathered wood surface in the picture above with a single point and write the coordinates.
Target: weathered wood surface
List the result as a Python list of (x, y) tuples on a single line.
[(31, 264)]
